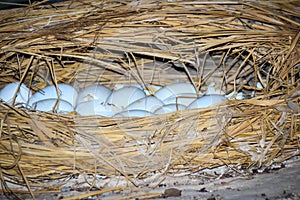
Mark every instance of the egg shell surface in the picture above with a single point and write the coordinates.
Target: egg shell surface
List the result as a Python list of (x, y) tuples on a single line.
[(124, 96), (96, 107), (206, 101), (7, 93), (148, 103), (169, 108), (94, 92), (184, 99), (67, 93), (174, 89), (134, 113), (149, 89), (47, 105)]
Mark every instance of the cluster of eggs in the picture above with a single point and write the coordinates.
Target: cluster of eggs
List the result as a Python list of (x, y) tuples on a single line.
[(126, 101)]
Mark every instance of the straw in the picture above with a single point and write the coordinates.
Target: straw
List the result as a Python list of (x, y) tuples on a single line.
[(235, 44)]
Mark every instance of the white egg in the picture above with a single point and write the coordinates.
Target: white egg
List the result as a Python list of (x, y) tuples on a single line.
[(134, 113), (118, 86), (206, 101), (67, 93), (151, 89), (212, 89), (169, 108), (125, 96), (47, 105), (94, 92), (174, 89), (96, 107), (185, 99), (7, 93), (261, 86), (238, 96), (148, 103)]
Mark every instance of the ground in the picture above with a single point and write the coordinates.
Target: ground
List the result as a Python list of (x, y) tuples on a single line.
[(282, 182)]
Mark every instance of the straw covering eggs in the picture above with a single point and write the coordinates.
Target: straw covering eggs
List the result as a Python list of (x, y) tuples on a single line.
[(23, 93)]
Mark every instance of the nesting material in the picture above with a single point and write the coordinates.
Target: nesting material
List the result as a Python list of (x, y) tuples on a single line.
[(238, 46)]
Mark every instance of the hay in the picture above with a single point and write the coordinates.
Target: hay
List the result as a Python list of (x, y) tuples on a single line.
[(109, 42)]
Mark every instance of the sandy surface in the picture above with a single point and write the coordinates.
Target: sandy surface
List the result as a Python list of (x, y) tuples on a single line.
[(279, 182)]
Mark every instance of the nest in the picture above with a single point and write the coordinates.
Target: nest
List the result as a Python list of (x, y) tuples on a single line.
[(236, 44)]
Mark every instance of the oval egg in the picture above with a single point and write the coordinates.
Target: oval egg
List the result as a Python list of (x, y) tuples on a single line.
[(125, 96), (134, 113), (169, 108), (237, 96), (7, 93), (47, 105), (174, 89), (93, 92), (96, 107), (184, 99), (67, 93), (148, 103), (206, 101), (151, 89), (213, 89)]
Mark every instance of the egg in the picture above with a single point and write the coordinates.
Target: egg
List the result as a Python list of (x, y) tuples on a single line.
[(184, 99), (169, 108), (238, 96), (212, 89), (118, 86), (148, 103), (206, 101), (174, 89), (96, 107), (47, 105), (261, 86), (94, 92), (67, 93), (151, 89), (134, 113), (7, 93), (124, 96)]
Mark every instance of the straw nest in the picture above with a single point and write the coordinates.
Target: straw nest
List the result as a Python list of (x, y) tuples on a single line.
[(113, 42)]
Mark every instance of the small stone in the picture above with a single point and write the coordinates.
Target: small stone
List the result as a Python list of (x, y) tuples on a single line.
[(172, 192)]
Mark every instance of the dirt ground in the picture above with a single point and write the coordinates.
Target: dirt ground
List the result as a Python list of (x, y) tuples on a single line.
[(281, 182)]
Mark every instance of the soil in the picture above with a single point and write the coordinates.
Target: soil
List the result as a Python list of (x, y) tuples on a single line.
[(279, 182)]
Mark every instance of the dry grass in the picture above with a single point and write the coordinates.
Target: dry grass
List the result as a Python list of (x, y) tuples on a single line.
[(114, 42)]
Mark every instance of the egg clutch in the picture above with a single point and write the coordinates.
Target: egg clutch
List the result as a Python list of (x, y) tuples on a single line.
[(97, 99)]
